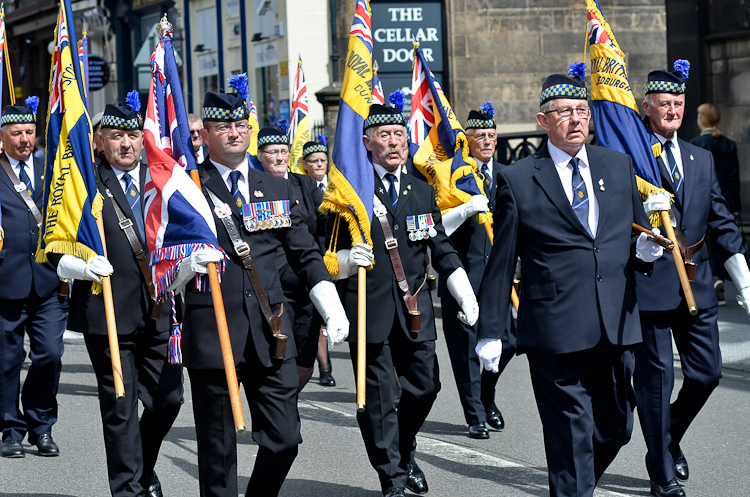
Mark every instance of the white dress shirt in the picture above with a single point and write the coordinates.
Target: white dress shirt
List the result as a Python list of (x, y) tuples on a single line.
[(135, 173), (29, 169), (381, 172), (675, 153), (241, 183), (565, 171)]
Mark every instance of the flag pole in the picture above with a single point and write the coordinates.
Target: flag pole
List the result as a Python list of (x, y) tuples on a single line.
[(361, 337), (11, 88), (491, 235), (689, 298), (109, 309), (226, 346)]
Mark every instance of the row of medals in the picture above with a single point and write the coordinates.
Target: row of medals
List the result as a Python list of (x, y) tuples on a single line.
[(422, 234), (267, 224)]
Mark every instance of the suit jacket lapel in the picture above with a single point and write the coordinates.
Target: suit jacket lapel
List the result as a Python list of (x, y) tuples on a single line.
[(110, 181), (382, 193), (548, 179), (38, 179), (405, 194), (599, 171), (688, 173)]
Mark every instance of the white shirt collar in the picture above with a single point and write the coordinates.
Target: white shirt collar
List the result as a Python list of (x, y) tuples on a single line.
[(224, 170), (135, 173), (381, 171), (562, 158), (490, 165)]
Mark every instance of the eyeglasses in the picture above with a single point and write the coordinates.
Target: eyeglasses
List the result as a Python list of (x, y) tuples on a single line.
[(480, 137), (317, 161), (276, 153), (226, 128), (195, 132), (567, 112)]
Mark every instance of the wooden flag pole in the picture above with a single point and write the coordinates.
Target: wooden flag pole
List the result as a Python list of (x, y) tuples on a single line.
[(361, 336), (226, 345), (109, 309), (513, 294), (11, 88), (689, 298)]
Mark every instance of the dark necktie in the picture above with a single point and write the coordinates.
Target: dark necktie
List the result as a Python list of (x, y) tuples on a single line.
[(580, 196), (24, 176), (322, 187), (487, 179), (134, 199), (673, 170), (234, 177), (392, 193)]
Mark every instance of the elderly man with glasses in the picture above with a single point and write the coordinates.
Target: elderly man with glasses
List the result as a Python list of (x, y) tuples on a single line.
[(200, 149), (567, 211)]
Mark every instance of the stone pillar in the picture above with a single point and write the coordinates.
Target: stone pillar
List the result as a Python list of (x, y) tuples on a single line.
[(330, 97)]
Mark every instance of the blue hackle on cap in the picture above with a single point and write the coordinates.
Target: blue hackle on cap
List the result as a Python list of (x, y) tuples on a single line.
[(133, 99), (322, 139), (32, 103), (283, 125), (239, 83), (577, 69), (683, 67), (397, 99), (487, 108)]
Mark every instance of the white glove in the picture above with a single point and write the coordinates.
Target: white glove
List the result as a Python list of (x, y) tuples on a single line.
[(71, 267), (737, 268), (326, 301), (659, 201), (194, 264), (349, 260), (489, 351), (456, 216), (460, 288), (646, 250)]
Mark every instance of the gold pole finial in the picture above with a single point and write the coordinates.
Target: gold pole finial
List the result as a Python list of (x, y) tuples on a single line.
[(163, 26)]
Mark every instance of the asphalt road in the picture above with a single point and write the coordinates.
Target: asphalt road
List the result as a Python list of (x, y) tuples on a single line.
[(332, 460)]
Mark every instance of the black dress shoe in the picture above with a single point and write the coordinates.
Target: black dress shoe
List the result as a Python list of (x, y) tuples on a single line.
[(152, 485), (670, 489), (682, 472), (495, 418), (47, 447), (13, 448), (326, 379), (479, 431), (395, 492), (415, 480)]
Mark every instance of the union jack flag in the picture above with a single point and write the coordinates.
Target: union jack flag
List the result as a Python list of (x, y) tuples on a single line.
[(377, 89), (178, 218), (422, 117), (362, 24), (299, 129), (83, 59)]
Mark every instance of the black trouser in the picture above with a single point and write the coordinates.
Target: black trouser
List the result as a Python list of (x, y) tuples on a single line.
[(390, 434), (132, 446), (697, 340), (43, 320), (476, 385), (585, 401), (272, 397)]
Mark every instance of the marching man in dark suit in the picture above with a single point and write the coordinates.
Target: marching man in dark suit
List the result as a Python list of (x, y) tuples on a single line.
[(29, 300), (476, 385), (406, 218), (132, 446), (263, 219), (567, 212), (688, 172)]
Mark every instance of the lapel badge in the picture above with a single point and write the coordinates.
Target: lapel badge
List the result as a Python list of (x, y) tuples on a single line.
[(20, 187), (601, 184), (691, 157), (406, 191), (258, 194), (380, 190)]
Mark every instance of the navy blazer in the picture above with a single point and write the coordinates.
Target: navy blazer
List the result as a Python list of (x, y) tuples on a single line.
[(247, 326), (18, 267), (574, 287), (384, 301), (703, 207)]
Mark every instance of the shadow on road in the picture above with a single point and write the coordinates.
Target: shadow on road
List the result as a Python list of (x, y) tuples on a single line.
[(312, 488)]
